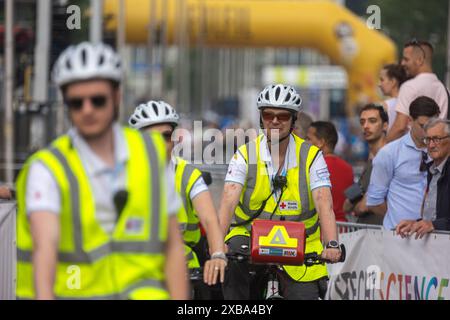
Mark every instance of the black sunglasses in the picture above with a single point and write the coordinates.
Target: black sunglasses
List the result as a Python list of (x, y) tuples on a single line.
[(76, 103), (423, 163)]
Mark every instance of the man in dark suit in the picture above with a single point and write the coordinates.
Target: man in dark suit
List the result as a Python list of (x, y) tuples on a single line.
[(436, 206)]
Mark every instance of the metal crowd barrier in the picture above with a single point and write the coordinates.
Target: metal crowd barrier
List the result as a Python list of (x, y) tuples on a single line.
[(7, 250), (346, 227), (218, 173)]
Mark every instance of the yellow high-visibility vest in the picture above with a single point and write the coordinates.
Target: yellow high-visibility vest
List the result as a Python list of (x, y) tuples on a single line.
[(129, 263), (186, 175), (298, 193)]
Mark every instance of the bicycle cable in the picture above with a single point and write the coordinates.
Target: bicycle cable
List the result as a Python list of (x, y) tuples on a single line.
[(304, 273), (278, 202)]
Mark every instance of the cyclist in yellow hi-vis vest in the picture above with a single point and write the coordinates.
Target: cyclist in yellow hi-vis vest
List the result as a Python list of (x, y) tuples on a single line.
[(196, 198), (279, 176), (93, 217)]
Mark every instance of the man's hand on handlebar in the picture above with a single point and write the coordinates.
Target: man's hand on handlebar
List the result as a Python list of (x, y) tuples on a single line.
[(332, 255), (214, 268)]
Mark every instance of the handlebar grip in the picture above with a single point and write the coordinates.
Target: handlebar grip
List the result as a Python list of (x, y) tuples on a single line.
[(206, 175), (195, 274), (315, 258), (239, 257), (343, 253)]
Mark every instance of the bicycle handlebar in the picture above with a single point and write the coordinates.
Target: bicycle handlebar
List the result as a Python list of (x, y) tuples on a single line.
[(195, 274), (314, 258), (310, 259)]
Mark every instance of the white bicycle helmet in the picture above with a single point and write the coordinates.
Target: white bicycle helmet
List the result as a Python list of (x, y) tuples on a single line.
[(87, 61), (153, 112), (280, 96)]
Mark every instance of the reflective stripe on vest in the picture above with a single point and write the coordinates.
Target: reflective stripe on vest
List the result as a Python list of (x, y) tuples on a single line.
[(146, 247), (153, 245), (125, 295), (189, 226), (186, 175), (191, 257), (156, 286)]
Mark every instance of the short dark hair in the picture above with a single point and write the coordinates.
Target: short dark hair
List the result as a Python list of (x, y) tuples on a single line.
[(372, 106), (423, 106), (327, 131), (397, 72), (419, 43)]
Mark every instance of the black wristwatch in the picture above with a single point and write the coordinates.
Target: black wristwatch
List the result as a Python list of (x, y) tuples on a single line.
[(332, 244)]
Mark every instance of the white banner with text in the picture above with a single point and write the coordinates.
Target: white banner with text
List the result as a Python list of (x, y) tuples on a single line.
[(382, 266)]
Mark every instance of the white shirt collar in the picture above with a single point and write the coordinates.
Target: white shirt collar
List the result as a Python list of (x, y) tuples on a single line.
[(267, 157), (94, 165), (438, 168)]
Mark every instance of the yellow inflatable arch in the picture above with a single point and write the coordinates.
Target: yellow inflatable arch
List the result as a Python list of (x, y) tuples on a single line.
[(322, 25)]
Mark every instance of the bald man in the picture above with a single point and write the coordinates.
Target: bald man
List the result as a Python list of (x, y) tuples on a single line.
[(417, 60)]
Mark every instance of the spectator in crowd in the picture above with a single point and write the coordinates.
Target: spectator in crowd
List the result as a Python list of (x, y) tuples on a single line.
[(417, 61), (436, 206), (374, 123), (398, 179), (392, 77), (324, 136), (302, 124)]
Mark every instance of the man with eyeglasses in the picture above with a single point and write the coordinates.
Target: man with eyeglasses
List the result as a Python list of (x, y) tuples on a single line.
[(436, 206), (94, 219), (417, 61), (278, 176), (398, 179), (197, 201)]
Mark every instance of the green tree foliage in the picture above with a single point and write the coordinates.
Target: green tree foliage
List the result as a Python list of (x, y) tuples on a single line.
[(404, 20)]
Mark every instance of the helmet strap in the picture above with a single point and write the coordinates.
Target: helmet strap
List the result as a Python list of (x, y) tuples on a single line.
[(294, 119)]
